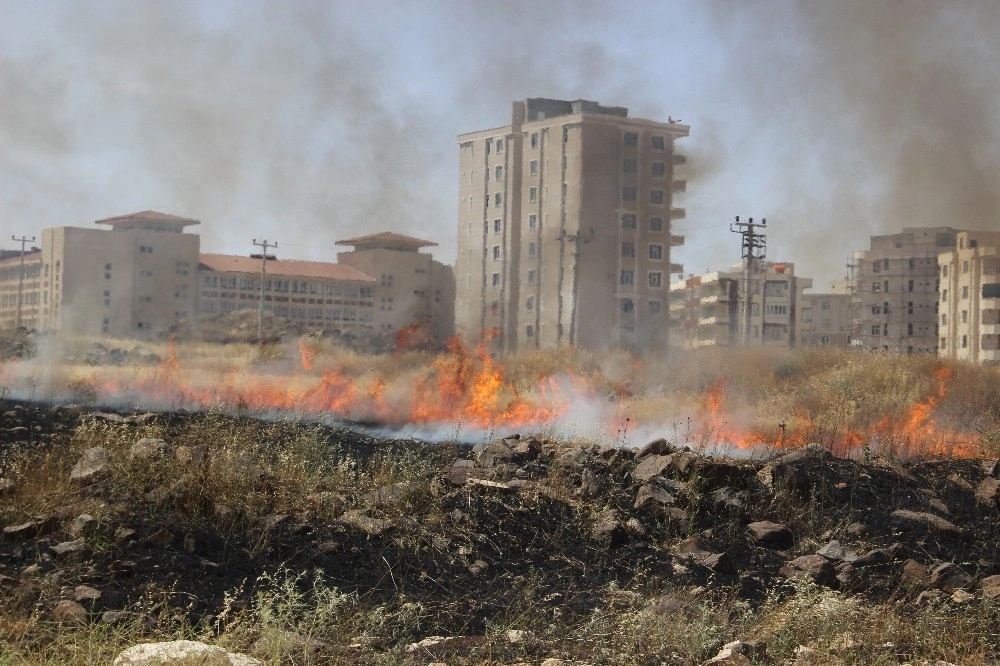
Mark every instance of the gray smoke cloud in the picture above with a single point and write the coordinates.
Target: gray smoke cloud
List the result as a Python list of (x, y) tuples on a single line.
[(891, 105)]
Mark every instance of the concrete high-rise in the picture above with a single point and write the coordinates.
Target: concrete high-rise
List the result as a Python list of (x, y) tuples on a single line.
[(969, 296), (564, 228)]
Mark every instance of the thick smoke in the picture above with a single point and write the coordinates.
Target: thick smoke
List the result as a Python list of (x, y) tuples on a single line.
[(892, 106)]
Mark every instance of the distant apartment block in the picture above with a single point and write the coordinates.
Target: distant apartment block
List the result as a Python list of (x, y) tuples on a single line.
[(564, 228), (707, 310), (145, 274), (825, 317), (969, 311), (895, 301)]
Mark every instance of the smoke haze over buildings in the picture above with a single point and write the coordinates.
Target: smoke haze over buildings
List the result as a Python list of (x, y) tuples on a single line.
[(308, 122)]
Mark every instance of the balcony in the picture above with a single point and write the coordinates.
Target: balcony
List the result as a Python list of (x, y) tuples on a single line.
[(680, 159), (676, 241), (989, 355), (989, 329), (679, 186), (678, 213)]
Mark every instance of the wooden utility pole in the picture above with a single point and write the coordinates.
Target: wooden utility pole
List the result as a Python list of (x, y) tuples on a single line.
[(754, 248), (23, 240), (263, 245)]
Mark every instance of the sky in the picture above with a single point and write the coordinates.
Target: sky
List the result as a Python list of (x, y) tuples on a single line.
[(307, 122)]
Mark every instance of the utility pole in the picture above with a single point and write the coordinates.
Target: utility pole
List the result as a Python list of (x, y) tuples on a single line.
[(754, 248), (263, 245), (20, 278)]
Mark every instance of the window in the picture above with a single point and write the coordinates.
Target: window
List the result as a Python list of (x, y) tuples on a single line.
[(529, 304), (658, 143), (495, 308), (655, 279), (885, 264), (773, 309), (944, 294), (628, 221), (628, 194), (499, 145), (497, 225), (627, 306), (532, 249), (656, 224), (657, 197), (965, 266), (107, 297), (965, 341), (909, 286), (824, 339), (532, 221), (496, 253), (533, 168), (659, 169), (885, 286), (531, 277), (533, 140), (656, 251), (497, 200), (909, 329), (496, 279), (628, 166), (532, 195), (876, 329), (655, 307), (965, 292), (628, 249), (885, 308), (944, 319), (909, 307), (529, 331), (876, 309), (965, 316), (627, 277), (498, 172), (885, 329), (824, 305), (631, 138), (944, 270), (991, 290), (876, 267)]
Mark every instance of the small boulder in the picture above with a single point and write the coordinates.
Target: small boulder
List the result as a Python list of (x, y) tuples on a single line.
[(656, 447), (988, 492), (609, 531), (82, 525), (68, 547), (181, 653), (990, 587), (652, 497), (834, 550), (86, 593), (949, 577), (91, 466), (651, 466), (190, 455), (69, 612), (816, 568), (913, 576), (770, 535), (148, 447), (590, 485), (922, 523)]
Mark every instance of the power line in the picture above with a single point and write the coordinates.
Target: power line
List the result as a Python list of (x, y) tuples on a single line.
[(754, 248)]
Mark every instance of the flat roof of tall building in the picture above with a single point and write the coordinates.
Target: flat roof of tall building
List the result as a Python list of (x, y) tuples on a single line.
[(234, 263), (388, 238), (149, 216)]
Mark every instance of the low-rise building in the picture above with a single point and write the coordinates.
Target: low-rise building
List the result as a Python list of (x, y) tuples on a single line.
[(825, 317), (709, 309), (969, 297), (20, 289)]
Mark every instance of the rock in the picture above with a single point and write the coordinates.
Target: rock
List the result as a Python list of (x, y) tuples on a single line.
[(913, 576), (69, 612), (990, 587), (91, 467), (181, 653), (714, 473), (68, 547), (496, 487), (497, 453), (526, 450), (988, 492), (991, 467), (651, 466), (694, 546), (519, 636), (190, 455), (148, 447), (835, 551), (956, 480), (720, 563), (877, 556), (609, 530), (728, 657), (960, 597), (919, 523), (437, 644), (160, 538), (652, 497), (460, 473), (654, 448), (816, 568), (590, 485), (939, 506), (86, 593), (948, 577), (20, 532), (856, 530), (770, 535), (82, 525), (792, 471)]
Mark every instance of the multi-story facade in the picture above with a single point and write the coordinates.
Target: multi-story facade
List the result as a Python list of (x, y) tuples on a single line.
[(895, 303), (708, 310), (20, 289), (969, 296), (309, 293), (826, 317), (564, 227), (413, 289)]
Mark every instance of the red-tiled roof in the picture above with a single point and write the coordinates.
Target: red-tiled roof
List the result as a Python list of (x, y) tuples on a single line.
[(232, 263), (387, 237), (149, 215)]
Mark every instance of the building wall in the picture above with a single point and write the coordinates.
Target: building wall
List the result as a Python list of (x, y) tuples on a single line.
[(969, 297), (895, 304), (541, 208), (28, 282), (825, 320)]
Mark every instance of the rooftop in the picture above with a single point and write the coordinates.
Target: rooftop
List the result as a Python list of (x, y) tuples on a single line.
[(149, 216), (232, 263), (387, 240)]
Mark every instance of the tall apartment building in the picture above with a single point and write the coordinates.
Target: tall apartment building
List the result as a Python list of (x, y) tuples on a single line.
[(20, 289), (564, 227), (708, 310), (826, 317), (310, 293), (969, 312), (895, 304), (414, 290)]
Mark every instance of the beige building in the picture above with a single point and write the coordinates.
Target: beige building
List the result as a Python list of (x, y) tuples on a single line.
[(133, 281), (895, 304), (969, 311), (413, 290), (564, 227), (708, 310), (20, 288), (310, 293), (825, 317)]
